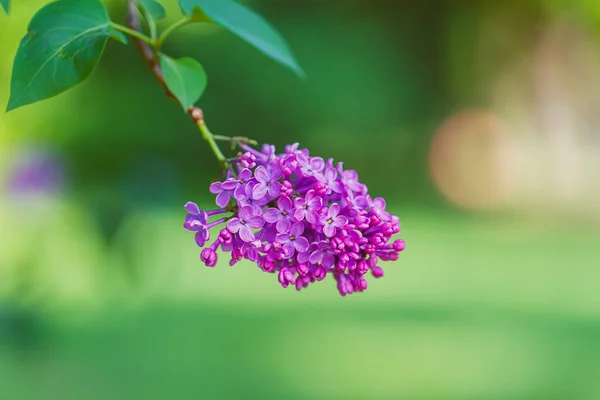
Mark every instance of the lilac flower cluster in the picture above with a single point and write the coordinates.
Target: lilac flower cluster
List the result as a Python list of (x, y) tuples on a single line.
[(297, 216)]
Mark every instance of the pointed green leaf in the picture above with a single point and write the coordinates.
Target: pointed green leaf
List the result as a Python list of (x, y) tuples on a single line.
[(5, 5), (154, 9), (64, 42), (185, 78), (246, 24)]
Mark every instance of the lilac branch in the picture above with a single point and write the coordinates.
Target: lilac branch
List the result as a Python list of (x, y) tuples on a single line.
[(150, 55)]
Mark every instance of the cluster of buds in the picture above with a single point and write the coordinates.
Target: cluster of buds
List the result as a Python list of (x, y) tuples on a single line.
[(299, 217)]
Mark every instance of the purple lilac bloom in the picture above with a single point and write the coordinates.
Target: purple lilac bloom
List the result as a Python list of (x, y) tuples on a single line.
[(298, 217), (244, 222), (223, 194), (323, 255), (332, 220), (310, 166), (244, 198), (294, 240), (330, 179), (267, 182), (308, 207), (282, 216), (197, 221)]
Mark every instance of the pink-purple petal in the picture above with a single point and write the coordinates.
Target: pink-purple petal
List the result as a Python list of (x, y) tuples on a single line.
[(288, 249), (274, 189), (284, 203), (234, 225), (301, 244), (191, 207), (201, 237), (340, 221), (245, 175), (272, 215), (334, 210), (261, 174), (316, 256), (223, 199), (215, 187), (297, 229), (312, 217), (255, 222), (282, 238), (246, 233), (329, 230), (283, 225), (245, 212), (379, 203), (259, 191), (328, 259)]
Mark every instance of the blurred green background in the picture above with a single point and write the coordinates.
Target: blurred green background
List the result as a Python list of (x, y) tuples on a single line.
[(478, 121)]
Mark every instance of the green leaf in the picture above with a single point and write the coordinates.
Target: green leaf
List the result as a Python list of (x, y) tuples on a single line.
[(64, 42), (185, 78), (246, 24), (5, 5), (154, 8)]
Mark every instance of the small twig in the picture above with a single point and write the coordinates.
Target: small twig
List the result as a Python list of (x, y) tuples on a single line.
[(236, 139), (150, 55)]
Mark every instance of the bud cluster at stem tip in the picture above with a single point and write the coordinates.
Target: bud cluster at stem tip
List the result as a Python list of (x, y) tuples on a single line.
[(297, 216)]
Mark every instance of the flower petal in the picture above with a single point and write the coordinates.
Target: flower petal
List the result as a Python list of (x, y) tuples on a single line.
[(317, 164), (315, 202), (379, 203), (191, 207), (215, 187), (340, 221), (284, 203), (297, 229), (191, 223), (261, 174), (283, 238), (245, 175), (223, 198), (334, 210), (335, 186), (246, 233), (288, 249), (312, 217), (255, 222), (246, 212), (234, 225), (201, 237), (299, 214), (316, 256), (259, 191), (303, 257), (301, 244), (328, 259), (329, 230), (272, 215), (283, 225), (229, 184), (275, 173), (274, 189)]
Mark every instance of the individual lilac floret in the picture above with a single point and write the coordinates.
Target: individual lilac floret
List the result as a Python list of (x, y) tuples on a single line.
[(332, 220), (267, 182), (197, 220), (244, 223), (294, 240), (308, 207), (223, 194), (282, 216), (299, 217), (244, 198)]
